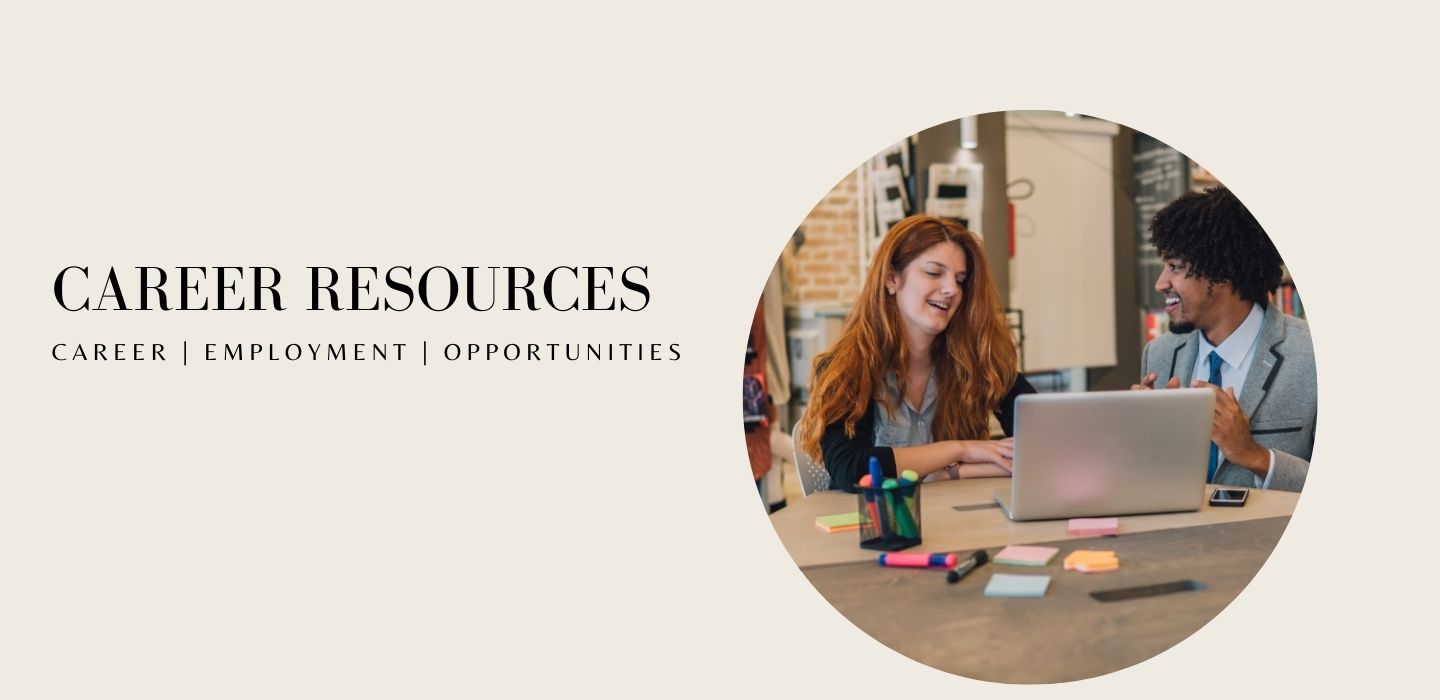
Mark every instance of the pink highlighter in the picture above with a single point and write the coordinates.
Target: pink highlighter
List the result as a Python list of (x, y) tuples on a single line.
[(919, 560)]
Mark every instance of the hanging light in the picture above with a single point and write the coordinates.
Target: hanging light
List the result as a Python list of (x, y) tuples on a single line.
[(969, 133)]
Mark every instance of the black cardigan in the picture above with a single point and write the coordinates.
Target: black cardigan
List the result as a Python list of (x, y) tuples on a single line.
[(847, 459)]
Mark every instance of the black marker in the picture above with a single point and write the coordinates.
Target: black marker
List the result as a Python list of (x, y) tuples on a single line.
[(977, 559)]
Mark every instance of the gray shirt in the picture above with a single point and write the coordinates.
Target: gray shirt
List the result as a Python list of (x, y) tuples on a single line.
[(906, 426)]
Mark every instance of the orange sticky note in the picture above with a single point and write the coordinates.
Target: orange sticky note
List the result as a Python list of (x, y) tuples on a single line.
[(1092, 560)]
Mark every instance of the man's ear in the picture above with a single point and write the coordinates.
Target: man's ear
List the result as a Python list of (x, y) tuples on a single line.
[(1224, 289)]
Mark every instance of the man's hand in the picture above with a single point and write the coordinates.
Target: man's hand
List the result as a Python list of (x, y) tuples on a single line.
[(1231, 431), (1148, 382)]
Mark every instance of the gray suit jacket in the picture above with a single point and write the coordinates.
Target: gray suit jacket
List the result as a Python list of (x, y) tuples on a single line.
[(1278, 395)]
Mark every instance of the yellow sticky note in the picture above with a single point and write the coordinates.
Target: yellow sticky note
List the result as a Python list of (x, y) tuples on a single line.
[(1022, 555), (842, 522)]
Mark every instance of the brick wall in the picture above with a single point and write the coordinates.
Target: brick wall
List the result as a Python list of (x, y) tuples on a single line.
[(825, 269)]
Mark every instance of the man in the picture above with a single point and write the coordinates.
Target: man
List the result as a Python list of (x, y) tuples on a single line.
[(1219, 268)]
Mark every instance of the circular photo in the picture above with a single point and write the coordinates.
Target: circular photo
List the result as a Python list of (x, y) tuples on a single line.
[(1030, 397)]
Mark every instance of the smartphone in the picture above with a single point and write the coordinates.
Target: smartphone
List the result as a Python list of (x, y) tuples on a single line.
[(1233, 498)]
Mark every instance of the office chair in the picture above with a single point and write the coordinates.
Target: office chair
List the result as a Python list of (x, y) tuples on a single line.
[(813, 475)]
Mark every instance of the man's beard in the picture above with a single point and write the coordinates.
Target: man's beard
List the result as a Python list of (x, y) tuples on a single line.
[(1182, 327)]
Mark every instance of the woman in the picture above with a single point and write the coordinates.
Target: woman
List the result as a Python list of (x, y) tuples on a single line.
[(924, 360)]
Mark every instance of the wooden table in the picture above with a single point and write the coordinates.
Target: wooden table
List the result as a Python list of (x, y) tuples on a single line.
[(1067, 635)]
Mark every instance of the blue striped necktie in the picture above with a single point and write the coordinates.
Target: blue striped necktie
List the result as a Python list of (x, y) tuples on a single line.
[(1215, 362)]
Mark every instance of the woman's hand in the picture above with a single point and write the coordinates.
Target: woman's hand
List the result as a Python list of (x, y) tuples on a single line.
[(974, 458), (986, 452), (980, 471)]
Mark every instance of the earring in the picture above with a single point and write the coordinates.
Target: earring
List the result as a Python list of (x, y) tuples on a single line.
[(891, 290)]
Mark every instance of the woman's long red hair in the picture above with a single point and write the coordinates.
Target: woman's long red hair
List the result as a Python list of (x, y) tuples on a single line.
[(975, 358)]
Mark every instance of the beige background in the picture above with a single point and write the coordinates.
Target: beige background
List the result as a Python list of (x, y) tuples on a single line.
[(396, 531)]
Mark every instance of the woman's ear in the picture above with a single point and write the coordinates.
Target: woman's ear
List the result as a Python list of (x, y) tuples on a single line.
[(892, 282)]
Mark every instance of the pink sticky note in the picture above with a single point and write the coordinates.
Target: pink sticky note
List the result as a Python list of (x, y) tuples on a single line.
[(1092, 527)]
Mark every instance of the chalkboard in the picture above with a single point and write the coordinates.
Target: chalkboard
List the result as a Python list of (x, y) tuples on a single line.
[(1162, 174)]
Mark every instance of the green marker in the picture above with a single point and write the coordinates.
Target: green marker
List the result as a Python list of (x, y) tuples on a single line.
[(909, 481), (904, 524)]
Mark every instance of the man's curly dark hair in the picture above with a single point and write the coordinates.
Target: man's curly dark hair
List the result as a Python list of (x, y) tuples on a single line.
[(1220, 240)]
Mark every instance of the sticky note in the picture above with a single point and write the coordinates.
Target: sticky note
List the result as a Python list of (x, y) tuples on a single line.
[(1094, 527), (1089, 556), (1091, 561), (1024, 555), (841, 522), (1016, 586)]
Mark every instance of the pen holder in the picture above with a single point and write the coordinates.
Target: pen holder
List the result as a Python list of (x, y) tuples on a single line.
[(889, 517)]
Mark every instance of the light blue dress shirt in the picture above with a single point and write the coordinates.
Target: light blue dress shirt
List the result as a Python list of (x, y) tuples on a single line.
[(906, 426)]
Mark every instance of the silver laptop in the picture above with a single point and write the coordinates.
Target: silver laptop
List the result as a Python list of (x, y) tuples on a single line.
[(1109, 453)]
